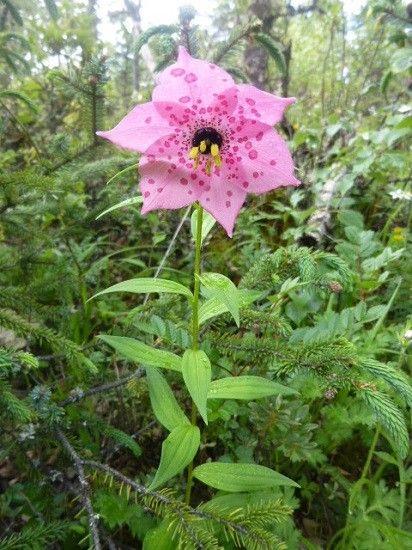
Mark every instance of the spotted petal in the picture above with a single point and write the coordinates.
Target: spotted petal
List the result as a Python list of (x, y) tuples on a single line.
[(191, 82), (256, 104), (165, 182), (222, 199), (265, 160), (144, 124)]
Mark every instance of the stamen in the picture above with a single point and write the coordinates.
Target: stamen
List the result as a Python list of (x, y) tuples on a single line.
[(194, 152), (218, 160), (214, 149), (203, 146), (208, 168)]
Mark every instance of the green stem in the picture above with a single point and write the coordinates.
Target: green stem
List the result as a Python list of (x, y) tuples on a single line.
[(366, 467), (195, 325), (358, 487)]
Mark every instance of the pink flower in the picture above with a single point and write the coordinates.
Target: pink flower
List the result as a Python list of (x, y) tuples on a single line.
[(204, 138)]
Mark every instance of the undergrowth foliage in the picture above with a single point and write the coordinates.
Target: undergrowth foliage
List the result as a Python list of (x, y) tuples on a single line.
[(280, 418)]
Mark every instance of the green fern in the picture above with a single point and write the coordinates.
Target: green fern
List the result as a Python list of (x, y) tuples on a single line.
[(389, 416)]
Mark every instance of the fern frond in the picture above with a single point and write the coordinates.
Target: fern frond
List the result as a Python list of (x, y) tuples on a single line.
[(389, 416), (392, 376)]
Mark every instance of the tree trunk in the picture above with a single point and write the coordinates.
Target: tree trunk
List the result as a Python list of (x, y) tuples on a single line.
[(256, 58), (133, 10)]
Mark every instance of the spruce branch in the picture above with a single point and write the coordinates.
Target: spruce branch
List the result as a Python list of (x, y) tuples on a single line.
[(243, 526), (55, 341), (234, 38), (78, 394), (84, 488)]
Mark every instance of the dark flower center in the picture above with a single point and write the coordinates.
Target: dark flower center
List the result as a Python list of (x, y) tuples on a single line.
[(209, 136)]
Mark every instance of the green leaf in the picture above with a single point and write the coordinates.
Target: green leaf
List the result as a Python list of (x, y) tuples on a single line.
[(220, 287), (246, 387), (197, 374), (159, 538), (140, 353), (214, 307), (145, 285), (164, 403), (127, 202), (237, 478), (207, 224), (178, 450)]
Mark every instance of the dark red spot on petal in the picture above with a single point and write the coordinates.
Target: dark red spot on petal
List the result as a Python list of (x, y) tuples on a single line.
[(177, 72)]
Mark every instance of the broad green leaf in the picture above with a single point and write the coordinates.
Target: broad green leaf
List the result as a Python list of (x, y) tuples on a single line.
[(127, 202), (142, 353), (246, 387), (214, 307), (238, 478), (159, 538), (197, 374), (223, 289), (178, 449), (164, 403), (145, 285), (207, 225)]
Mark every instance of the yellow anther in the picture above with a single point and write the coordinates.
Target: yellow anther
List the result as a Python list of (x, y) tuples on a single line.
[(218, 160), (196, 163), (208, 167), (214, 149), (203, 146), (194, 152)]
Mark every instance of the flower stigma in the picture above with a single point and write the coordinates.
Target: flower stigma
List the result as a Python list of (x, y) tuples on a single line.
[(206, 141)]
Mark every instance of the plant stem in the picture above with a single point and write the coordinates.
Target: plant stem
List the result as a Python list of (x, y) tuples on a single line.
[(195, 326), (196, 281), (356, 490), (366, 467)]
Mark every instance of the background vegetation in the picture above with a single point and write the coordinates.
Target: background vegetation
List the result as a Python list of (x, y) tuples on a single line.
[(331, 259)]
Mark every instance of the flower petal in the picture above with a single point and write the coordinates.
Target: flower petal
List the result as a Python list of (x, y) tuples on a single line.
[(165, 181), (222, 199), (256, 104), (191, 82), (145, 124), (263, 159)]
